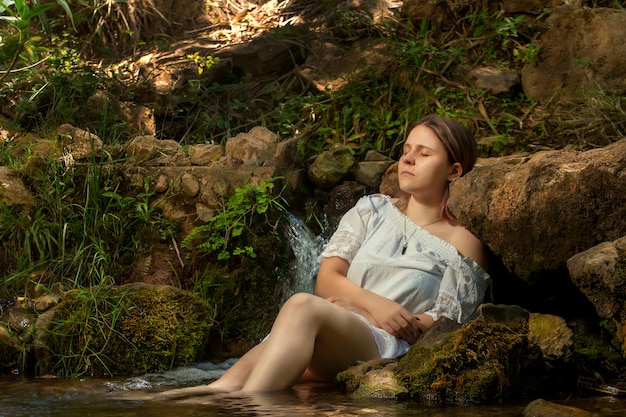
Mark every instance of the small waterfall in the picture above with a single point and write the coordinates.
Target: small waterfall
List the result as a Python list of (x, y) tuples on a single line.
[(306, 247)]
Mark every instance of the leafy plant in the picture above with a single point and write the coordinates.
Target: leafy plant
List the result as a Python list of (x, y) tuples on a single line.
[(222, 231), (20, 15), (203, 62)]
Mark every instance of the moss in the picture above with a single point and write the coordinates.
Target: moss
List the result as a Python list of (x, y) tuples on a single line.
[(473, 366), (597, 350), (126, 330), (10, 351)]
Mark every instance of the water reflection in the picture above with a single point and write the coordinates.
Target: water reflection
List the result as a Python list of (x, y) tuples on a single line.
[(94, 398)]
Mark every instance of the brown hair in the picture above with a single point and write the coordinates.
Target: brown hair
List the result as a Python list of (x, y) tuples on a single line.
[(460, 146)]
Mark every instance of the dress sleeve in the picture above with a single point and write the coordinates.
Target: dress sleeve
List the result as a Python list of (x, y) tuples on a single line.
[(461, 291), (351, 231)]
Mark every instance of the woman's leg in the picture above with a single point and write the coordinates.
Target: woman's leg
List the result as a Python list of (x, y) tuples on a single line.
[(237, 375), (309, 332)]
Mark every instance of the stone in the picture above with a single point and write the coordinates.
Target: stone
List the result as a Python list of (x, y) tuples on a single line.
[(46, 301), (373, 379), (551, 334), (256, 147), (191, 185), (205, 154), (13, 191), (370, 172), (10, 350), (79, 143), (543, 408), (331, 166), (536, 213), (494, 80), (513, 316), (288, 155), (600, 274)]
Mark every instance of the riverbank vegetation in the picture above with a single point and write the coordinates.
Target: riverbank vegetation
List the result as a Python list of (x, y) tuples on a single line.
[(89, 227)]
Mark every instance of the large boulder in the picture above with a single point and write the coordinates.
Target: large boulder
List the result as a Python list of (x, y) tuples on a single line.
[(535, 212)]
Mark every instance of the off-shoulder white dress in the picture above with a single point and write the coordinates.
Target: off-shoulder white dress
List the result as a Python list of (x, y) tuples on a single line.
[(431, 277)]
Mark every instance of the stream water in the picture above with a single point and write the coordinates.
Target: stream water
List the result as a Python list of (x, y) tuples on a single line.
[(20, 397), (123, 397)]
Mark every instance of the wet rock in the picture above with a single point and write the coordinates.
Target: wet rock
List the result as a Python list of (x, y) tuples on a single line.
[(543, 408), (18, 318), (373, 379), (343, 197)]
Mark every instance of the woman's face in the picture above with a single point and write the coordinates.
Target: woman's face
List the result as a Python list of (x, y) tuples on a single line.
[(424, 167)]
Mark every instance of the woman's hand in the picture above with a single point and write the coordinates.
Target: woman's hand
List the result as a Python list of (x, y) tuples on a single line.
[(395, 320), (390, 316)]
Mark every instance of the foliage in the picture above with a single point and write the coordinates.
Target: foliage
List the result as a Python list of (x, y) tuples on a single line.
[(106, 331), (80, 233), (239, 215), (20, 15), (203, 62)]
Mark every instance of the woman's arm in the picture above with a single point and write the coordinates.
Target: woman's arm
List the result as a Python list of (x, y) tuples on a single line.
[(333, 284)]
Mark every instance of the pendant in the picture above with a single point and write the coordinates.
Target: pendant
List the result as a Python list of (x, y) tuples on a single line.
[(403, 249)]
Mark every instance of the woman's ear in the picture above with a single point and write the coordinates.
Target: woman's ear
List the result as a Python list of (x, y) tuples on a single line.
[(456, 171)]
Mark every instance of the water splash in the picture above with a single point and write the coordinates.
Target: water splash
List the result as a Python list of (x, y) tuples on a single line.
[(306, 247)]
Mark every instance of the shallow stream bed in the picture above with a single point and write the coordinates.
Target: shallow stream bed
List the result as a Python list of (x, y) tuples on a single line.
[(21, 397)]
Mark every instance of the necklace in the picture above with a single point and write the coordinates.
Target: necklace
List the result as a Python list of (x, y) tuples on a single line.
[(406, 240)]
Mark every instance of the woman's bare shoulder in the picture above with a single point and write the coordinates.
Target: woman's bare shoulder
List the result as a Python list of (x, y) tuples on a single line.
[(468, 245)]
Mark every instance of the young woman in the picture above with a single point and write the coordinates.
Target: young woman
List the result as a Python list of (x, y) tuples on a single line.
[(392, 268)]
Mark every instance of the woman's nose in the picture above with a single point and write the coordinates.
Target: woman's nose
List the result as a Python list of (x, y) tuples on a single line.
[(407, 158)]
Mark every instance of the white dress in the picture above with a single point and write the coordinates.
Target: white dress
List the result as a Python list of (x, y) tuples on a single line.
[(431, 277)]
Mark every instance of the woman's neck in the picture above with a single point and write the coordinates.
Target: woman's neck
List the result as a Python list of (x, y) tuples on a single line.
[(422, 213)]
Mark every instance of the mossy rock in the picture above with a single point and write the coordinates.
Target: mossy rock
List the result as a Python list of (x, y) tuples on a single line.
[(125, 330), (247, 293), (10, 350), (475, 365)]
